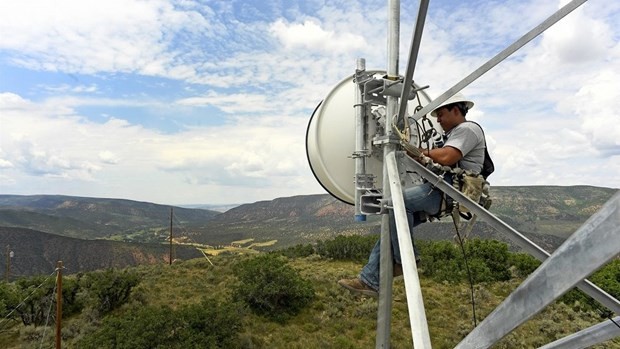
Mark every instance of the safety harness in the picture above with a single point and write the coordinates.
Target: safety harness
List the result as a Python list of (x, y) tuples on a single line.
[(471, 184)]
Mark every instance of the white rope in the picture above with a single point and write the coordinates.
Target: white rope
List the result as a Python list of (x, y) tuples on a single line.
[(25, 299), (48, 315)]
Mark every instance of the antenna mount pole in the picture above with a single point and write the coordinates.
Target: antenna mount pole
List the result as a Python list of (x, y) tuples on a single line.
[(384, 313)]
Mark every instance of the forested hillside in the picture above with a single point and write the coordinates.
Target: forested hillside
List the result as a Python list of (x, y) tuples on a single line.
[(35, 252), (92, 218), (286, 299), (547, 215)]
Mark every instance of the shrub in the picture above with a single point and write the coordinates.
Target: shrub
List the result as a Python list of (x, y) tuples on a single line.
[(353, 248), (493, 255), (8, 300), (271, 288), (297, 251), (206, 325), (608, 279), (39, 295), (524, 264), (109, 289), (441, 261), (488, 260)]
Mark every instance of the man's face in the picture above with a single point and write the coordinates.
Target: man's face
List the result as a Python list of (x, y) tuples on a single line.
[(448, 118)]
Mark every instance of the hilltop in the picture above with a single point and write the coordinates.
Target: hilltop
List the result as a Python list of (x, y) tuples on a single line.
[(334, 319), (92, 218), (545, 214), (36, 252)]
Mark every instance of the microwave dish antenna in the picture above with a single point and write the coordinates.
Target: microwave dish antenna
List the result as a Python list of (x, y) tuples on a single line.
[(331, 144), (354, 154)]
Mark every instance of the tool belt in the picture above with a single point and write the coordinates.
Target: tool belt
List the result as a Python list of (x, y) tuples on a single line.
[(472, 185)]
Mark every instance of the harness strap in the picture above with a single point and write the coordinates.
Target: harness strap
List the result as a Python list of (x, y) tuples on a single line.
[(471, 185)]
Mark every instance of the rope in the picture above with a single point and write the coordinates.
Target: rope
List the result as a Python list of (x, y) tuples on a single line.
[(186, 233), (48, 315), (25, 299), (455, 220), (176, 220)]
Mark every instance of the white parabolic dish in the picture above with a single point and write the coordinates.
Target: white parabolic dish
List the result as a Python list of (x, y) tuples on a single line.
[(330, 141)]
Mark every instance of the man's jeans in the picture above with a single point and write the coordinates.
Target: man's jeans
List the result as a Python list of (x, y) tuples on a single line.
[(421, 198)]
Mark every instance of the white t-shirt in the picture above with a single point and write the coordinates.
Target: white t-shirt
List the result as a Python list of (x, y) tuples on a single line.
[(468, 138)]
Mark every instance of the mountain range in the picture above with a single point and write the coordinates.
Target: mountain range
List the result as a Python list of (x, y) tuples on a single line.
[(93, 233)]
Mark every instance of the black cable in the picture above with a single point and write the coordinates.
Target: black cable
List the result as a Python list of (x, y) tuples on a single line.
[(602, 310), (424, 135), (471, 281)]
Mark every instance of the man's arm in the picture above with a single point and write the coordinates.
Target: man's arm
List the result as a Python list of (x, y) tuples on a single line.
[(446, 156)]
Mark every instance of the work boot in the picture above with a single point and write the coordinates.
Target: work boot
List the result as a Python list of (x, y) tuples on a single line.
[(358, 286)]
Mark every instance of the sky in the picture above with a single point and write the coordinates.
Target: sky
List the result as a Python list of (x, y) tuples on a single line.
[(208, 102)]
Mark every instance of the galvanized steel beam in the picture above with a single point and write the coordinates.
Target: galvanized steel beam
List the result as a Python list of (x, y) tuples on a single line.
[(413, 290), (384, 311), (590, 247), (526, 244), (588, 337), (413, 57), (568, 8)]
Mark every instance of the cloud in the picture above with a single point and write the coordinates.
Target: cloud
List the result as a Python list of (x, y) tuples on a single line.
[(108, 157), (578, 38), (310, 35), (247, 154), (239, 82), (597, 104), (37, 161), (231, 103), (548, 109), (90, 37), (66, 88), (5, 164)]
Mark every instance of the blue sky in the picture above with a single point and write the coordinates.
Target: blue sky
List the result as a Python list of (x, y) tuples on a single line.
[(187, 102)]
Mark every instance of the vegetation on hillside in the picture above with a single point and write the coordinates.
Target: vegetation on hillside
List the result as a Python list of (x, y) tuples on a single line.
[(285, 299), (546, 214), (94, 218), (271, 288)]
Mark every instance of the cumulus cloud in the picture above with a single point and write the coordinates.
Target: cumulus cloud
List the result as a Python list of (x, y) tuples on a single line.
[(36, 161), (246, 153), (66, 88), (578, 38), (260, 74), (311, 36), (5, 163), (231, 103), (597, 104), (90, 37), (108, 157)]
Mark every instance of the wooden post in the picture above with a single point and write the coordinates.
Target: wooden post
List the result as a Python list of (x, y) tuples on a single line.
[(170, 252), (58, 303)]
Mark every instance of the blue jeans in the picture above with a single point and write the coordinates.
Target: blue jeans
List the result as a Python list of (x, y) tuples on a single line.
[(421, 198)]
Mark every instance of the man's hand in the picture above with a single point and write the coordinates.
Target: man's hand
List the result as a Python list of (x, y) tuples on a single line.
[(411, 150), (446, 156)]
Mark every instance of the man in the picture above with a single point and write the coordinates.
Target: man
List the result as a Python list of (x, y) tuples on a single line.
[(464, 147)]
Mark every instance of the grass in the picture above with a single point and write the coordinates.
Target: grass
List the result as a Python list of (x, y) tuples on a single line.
[(242, 242), (237, 247), (336, 318)]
